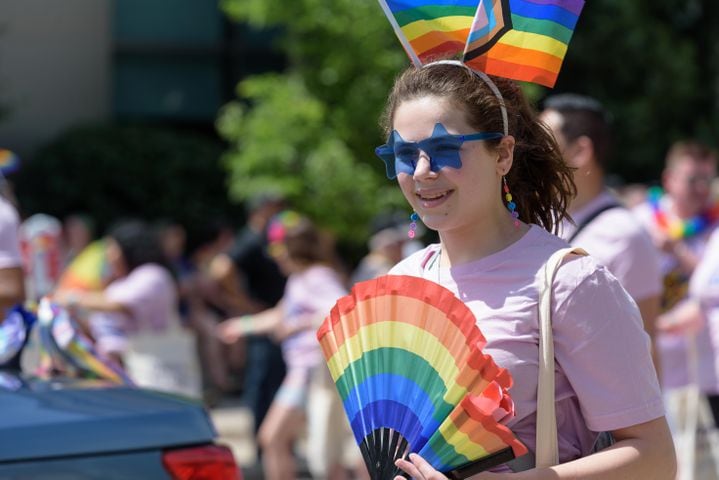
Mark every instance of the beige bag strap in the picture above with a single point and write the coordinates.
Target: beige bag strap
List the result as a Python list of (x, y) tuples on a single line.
[(547, 448)]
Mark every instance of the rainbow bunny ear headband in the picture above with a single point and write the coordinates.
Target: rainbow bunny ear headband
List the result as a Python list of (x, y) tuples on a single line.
[(522, 40)]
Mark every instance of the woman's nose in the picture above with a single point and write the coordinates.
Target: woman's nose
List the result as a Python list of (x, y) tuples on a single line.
[(423, 169)]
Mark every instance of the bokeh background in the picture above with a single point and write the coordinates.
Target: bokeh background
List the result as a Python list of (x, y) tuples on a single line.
[(183, 109)]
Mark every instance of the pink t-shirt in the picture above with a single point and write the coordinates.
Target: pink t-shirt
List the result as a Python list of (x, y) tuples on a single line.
[(310, 293), (605, 379), (9, 243), (150, 294), (672, 348), (616, 239)]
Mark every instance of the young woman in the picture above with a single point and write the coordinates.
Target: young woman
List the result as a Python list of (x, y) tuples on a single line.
[(313, 287), (494, 192), (142, 295)]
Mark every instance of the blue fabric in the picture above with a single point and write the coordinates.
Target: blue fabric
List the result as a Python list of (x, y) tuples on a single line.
[(14, 334), (391, 401), (389, 414)]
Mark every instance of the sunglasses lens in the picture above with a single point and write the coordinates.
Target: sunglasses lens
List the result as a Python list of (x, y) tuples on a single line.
[(386, 154)]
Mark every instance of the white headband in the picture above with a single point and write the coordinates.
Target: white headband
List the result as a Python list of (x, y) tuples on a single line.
[(487, 80)]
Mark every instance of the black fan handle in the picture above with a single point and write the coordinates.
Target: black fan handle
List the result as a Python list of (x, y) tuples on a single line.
[(473, 468)]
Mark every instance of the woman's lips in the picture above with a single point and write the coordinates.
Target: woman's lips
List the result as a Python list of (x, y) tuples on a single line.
[(434, 198)]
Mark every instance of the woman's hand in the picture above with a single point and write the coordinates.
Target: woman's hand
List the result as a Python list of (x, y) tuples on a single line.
[(232, 330), (281, 332), (419, 469), (686, 318)]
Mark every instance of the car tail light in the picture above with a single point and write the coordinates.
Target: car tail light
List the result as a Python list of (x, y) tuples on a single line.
[(208, 462)]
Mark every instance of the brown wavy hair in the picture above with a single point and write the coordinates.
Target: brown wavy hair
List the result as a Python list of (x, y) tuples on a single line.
[(540, 181)]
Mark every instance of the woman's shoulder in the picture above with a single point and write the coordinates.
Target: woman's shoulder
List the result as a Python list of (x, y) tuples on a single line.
[(150, 273), (576, 272), (317, 274), (582, 280)]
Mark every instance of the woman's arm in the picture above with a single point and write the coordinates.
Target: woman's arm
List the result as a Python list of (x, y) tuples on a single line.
[(642, 451), (95, 301), (264, 322)]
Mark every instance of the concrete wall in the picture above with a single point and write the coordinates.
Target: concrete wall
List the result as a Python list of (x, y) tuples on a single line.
[(55, 60)]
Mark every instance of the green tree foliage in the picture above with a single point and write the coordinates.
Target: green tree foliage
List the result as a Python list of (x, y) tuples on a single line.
[(655, 66), (115, 172), (310, 132), (653, 63)]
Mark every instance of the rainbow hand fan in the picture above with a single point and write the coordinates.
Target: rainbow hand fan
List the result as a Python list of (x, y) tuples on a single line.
[(406, 357)]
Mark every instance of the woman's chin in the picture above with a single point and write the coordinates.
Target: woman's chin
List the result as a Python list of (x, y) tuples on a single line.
[(436, 222)]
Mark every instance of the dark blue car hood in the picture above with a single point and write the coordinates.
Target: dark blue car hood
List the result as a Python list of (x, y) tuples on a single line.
[(41, 418)]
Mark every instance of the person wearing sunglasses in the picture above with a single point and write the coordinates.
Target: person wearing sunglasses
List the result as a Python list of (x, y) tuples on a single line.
[(680, 216), (476, 165)]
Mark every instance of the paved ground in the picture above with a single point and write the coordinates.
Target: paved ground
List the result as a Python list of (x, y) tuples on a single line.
[(234, 424)]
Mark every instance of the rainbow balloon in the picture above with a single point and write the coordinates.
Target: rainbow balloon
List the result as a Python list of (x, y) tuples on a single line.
[(406, 357), (519, 39)]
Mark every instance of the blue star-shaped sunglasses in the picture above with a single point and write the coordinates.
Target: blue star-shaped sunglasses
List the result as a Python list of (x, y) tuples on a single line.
[(442, 148)]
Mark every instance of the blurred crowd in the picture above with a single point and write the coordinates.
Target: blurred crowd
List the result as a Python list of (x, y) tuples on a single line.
[(238, 310)]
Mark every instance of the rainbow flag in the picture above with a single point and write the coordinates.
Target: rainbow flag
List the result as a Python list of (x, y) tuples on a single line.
[(9, 162), (522, 39), (431, 29), (519, 39)]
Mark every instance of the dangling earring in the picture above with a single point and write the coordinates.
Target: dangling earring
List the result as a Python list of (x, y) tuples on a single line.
[(413, 226), (510, 204)]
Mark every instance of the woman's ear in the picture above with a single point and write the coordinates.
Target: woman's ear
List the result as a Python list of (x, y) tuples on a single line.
[(505, 151)]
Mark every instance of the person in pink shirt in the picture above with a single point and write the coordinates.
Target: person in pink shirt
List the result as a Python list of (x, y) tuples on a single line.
[(602, 226), (141, 297), (459, 148), (313, 287), (671, 217)]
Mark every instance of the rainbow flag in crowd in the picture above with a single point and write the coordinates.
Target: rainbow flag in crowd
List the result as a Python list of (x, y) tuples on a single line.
[(519, 39)]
